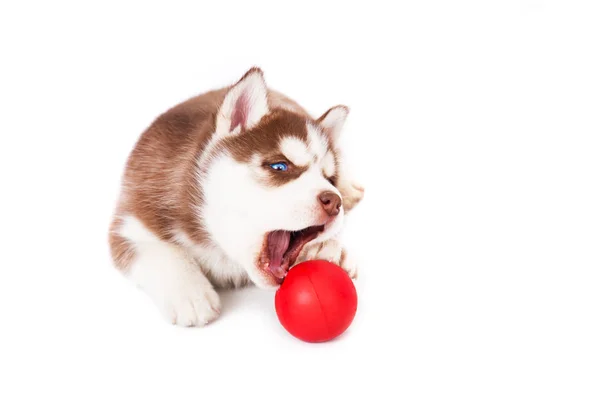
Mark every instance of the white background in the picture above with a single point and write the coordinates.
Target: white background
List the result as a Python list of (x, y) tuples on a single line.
[(474, 127)]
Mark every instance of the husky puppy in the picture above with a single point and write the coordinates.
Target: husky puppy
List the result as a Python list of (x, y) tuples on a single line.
[(229, 188)]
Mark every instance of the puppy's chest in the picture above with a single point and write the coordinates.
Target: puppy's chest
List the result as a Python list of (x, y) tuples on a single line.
[(220, 269)]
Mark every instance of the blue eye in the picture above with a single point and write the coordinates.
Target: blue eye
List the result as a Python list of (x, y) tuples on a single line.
[(280, 166)]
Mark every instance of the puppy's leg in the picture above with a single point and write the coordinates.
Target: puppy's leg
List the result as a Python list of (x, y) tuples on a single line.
[(352, 193), (330, 250), (169, 276), (176, 284)]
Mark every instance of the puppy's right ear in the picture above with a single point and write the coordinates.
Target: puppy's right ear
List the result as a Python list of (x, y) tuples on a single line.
[(332, 121), (244, 105)]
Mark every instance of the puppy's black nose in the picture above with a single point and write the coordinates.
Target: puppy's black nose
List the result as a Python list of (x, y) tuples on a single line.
[(330, 202)]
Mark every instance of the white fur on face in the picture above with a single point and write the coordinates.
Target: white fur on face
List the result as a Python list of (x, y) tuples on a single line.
[(239, 211), (295, 150), (319, 150), (328, 164), (316, 142)]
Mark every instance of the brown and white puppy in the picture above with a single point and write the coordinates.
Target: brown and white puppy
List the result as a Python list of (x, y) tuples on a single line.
[(231, 187)]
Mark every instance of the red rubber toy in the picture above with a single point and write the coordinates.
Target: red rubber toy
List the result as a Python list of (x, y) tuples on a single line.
[(316, 302)]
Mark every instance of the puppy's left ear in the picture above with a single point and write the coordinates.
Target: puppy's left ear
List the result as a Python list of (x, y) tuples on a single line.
[(333, 121), (244, 105)]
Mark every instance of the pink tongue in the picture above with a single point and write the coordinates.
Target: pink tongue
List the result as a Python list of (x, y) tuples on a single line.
[(279, 242)]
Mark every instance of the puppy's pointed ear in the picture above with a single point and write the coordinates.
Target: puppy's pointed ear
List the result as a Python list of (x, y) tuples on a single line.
[(333, 121), (244, 105)]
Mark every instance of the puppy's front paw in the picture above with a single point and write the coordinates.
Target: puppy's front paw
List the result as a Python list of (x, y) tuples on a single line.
[(352, 194), (348, 263), (192, 303), (331, 250)]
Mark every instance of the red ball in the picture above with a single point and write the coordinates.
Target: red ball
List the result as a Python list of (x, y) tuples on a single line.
[(316, 302)]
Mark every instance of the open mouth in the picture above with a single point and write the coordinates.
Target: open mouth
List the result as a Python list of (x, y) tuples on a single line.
[(283, 247)]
